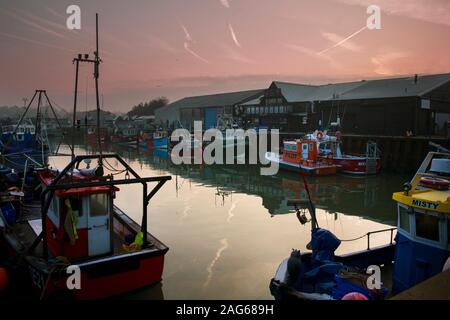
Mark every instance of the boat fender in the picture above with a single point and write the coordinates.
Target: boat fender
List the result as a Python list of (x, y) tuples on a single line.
[(435, 183), (320, 135), (294, 265), (354, 296)]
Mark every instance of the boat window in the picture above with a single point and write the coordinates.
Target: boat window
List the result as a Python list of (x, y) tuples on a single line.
[(427, 226), (20, 137), (75, 204), (99, 204), (448, 231), (404, 219), (311, 147), (54, 206)]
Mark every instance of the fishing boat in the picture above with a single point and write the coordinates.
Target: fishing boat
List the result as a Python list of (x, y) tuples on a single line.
[(160, 140), (419, 251), (26, 143), (77, 224), (302, 156), (145, 141), (92, 137), (125, 136), (329, 148)]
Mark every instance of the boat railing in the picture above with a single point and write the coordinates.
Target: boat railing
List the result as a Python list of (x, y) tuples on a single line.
[(368, 234), (391, 230)]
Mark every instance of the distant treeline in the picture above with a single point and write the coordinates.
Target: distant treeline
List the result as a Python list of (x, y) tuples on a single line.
[(148, 108)]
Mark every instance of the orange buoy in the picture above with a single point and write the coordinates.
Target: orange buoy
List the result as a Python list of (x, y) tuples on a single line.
[(320, 135), (354, 296), (434, 183), (4, 279)]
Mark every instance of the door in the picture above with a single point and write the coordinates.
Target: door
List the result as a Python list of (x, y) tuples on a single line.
[(99, 231), (304, 151), (210, 118)]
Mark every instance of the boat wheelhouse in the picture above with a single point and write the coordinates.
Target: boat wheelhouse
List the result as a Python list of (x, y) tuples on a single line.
[(302, 156), (423, 238), (22, 137), (77, 224), (421, 248), (160, 140)]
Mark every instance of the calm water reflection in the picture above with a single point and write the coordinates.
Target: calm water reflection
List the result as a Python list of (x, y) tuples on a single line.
[(228, 228)]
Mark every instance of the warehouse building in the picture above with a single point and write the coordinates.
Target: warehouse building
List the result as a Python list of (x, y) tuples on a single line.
[(417, 105), (210, 109)]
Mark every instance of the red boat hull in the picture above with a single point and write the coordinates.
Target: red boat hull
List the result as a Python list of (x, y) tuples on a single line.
[(103, 281), (355, 165)]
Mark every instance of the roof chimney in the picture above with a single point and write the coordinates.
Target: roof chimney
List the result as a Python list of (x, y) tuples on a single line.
[(416, 77)]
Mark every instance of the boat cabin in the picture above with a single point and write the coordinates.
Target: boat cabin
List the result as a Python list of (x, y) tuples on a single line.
[(423, 238), (79, 220), (302, 151), (21, 134)]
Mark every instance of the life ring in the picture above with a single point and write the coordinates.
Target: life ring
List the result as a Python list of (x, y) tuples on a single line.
[(338, 135), (434, 183), (320, 135)]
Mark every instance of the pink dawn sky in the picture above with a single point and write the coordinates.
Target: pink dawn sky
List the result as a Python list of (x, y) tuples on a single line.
[(177, 48)]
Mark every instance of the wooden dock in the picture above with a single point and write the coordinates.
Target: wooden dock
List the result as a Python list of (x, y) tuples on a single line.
[(435, 288)]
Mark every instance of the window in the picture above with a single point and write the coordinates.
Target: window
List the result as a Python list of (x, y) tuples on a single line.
[(99, 204), (403, 216), (76, 204), (311, 147), (448, 231), (427, 226), (54, 206)]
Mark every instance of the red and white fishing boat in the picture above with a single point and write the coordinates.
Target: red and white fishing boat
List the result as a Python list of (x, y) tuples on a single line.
[(329, 148), (77, 225), (302, 156)]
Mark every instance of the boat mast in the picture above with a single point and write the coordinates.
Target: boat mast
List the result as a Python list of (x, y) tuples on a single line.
[(96, 76), (96, 61)]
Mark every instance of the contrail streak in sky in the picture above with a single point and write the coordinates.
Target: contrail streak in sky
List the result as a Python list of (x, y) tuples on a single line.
[(342, 41), (233, 35), (186, 46)]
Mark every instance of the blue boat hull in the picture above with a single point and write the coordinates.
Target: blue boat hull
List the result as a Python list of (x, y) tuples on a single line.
[(161, 143)]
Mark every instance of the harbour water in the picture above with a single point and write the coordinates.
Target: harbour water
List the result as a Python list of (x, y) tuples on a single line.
[(228, 228)]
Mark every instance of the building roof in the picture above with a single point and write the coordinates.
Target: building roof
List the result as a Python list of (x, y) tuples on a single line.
[(365, 89), (215, 100)]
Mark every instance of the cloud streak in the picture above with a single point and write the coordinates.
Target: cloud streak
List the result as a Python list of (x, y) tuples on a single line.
[(342, 42), (39, 43), (186, 33), (225, 3), (194, 54), (233, 35), (34, 25)]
